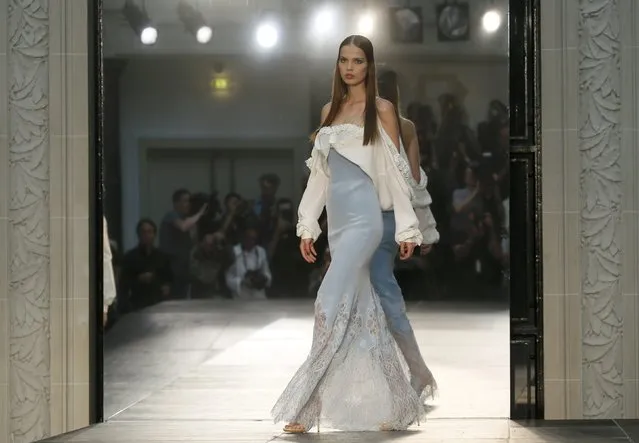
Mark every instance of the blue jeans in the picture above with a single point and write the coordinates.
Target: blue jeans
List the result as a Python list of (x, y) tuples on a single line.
[(392, 301)]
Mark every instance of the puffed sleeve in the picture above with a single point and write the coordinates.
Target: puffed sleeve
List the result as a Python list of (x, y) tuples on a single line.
[(421, 202), (420, 199), (427, 225), (314, 197), (401, 194)]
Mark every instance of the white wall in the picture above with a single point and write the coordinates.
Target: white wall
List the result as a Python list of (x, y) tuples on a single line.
[(170, 98)]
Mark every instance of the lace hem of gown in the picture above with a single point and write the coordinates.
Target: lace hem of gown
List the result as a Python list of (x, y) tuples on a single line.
[(353, 378)]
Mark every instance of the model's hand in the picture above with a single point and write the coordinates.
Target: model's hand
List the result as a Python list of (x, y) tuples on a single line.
[(425, 249), (406, 250), (308, 250), (105, 319)]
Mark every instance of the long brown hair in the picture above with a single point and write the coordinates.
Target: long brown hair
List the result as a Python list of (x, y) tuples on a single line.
[(340, 89), (389, 90)]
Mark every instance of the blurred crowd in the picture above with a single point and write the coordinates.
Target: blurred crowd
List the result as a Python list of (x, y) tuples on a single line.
[(208, 246), (205, 247), (468, 173)]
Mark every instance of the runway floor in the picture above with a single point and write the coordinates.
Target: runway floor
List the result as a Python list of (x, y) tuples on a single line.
[(210, 371)]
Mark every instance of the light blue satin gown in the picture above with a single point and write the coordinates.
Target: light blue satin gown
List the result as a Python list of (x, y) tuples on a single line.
[(353, 378)]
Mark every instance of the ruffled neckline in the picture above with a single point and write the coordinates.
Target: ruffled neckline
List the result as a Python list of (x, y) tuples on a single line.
[(341, 127)]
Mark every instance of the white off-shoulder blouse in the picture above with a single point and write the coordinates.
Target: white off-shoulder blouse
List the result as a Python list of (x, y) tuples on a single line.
[(380, 161)]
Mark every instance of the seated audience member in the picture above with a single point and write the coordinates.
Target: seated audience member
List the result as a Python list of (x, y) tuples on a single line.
[(249, 275), (146, 271), (209, 259)]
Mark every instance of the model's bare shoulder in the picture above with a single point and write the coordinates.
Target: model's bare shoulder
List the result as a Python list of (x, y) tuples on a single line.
[(384, 106)]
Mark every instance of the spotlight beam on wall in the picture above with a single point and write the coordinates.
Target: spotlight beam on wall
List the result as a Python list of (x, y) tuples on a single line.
[(140, 22), (194, 22)]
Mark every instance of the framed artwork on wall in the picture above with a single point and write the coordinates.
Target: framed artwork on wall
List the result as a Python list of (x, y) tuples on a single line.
[(453, 22), (406, 25)]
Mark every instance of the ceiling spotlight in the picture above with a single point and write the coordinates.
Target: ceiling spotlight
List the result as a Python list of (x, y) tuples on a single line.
[(140, 22), (267, 35), (149, 35), (491, 21), (194, 22), (324, 21), (366, 24)]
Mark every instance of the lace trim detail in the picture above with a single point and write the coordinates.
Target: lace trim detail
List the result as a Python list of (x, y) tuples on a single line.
[(342, 128), (419, 195), (336, 136), (353, 377)]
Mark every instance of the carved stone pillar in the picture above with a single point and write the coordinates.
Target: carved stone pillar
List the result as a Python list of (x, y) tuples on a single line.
[(4, 249), (590, 78), (600, 208), (28, 219), (44, 225)]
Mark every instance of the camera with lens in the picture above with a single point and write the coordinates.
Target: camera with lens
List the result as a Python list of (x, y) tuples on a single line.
[(200, 199), (256, 279)]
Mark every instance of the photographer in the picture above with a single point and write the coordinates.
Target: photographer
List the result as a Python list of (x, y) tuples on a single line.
[(249, 275), (211, 210), (208, 259), (235, 216)]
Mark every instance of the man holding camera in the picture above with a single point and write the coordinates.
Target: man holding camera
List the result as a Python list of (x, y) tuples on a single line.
[(250, 274)]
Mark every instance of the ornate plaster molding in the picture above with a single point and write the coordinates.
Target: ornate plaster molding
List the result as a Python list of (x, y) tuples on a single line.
[(600, 208), (29, 301)]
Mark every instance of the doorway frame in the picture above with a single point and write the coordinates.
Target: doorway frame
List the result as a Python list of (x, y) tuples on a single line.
[(526, 284), (526, 271)]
